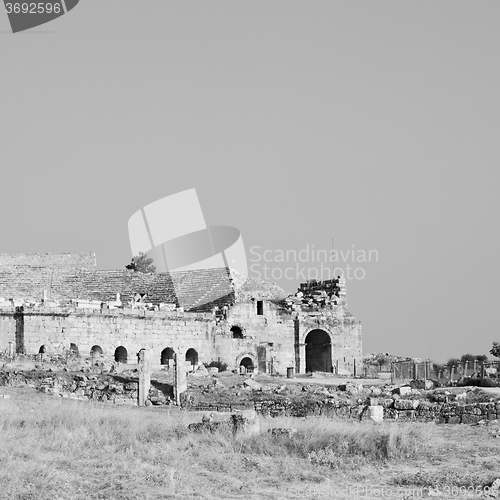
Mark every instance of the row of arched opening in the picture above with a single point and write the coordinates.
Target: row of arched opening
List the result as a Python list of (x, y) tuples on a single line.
[(166, 356), (121, 354), (318, 353), (72, 351)]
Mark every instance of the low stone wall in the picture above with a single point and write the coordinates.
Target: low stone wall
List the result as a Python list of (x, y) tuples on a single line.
[(401, 410), (89, 387), (122, 389)]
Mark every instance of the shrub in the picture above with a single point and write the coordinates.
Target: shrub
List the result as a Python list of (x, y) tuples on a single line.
[(216, 364), (478, 382)]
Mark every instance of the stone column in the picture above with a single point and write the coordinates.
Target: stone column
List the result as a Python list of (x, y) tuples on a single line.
[(302, 354), (144, 377), (180, 380)]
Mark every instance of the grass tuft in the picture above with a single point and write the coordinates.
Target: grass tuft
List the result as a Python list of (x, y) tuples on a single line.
[(55, 448)]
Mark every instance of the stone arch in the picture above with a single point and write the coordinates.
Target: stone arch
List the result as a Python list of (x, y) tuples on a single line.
[(247, 365), (121, 354), (43, 349), (96, 350), (167, 357), (247, 356), (237, 332), (318, 343), (192, 358), (307, 332)]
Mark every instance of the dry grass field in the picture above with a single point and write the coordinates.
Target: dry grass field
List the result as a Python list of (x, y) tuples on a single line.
[(52, 449)]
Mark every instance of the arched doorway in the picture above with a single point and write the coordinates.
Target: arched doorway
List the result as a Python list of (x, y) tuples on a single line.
[(121, 354), (96, 351), (318, 352), (192, 358), (247, 365), (167, 357)]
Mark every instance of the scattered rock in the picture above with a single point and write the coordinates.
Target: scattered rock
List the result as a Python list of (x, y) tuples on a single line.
[(281, 432), (252, 384)]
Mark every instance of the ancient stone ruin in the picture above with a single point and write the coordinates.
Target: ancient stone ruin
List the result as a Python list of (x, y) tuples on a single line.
[(61, 304)]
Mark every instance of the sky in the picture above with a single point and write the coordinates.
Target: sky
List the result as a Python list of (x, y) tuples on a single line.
[(372, 124)]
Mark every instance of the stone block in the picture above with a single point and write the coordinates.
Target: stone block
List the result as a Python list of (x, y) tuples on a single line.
[(404, 404), (404, 390), (376, 413)]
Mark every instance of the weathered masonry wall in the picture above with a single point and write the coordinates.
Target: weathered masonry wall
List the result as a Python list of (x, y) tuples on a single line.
[(342, 356), (256, 334), (57, 329), (7, 331), (265, 340)]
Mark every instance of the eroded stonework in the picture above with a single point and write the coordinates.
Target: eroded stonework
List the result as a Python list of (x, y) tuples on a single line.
[(56, 306)]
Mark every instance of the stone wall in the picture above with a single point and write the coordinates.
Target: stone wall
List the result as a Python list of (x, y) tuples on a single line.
[(267, 340), (344, 332), (270, 341), (401, 410), (275, 333), (89, 387), (124, 390)]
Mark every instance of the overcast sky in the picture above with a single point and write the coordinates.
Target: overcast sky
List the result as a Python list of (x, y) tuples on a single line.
[(372, 123)]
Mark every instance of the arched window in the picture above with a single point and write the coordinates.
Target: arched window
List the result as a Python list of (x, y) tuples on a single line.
[(42, 350), (237, 332), (121, 354), (96, 351), (192, 358), (73, 350), (167, 356)]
